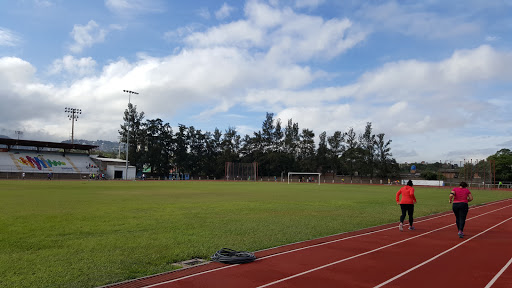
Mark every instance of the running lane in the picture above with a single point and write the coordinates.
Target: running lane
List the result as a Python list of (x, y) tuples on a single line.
[(365, 258), (470, 262), (374, 269)]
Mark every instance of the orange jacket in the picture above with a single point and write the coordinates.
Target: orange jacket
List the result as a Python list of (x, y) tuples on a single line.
[(407, 195)]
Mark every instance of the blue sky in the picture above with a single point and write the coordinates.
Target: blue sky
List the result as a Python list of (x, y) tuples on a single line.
[(434, 76)]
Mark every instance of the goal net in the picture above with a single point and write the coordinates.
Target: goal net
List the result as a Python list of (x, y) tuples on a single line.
[(306, 177), (241, 171)]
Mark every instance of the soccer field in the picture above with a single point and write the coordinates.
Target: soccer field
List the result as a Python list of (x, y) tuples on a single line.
[(91, 233)]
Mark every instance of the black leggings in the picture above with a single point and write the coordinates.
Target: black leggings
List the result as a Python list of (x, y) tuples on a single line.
[(461, 211), (409, 209)]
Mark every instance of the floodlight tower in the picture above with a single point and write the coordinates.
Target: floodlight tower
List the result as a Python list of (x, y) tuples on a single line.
[(18, 133), (128, 130), (73, 116)]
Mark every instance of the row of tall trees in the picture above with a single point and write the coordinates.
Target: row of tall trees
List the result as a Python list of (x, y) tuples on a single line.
[(276, 147)]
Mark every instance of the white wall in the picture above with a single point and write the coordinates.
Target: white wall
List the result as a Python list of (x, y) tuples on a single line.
[(111, 169)]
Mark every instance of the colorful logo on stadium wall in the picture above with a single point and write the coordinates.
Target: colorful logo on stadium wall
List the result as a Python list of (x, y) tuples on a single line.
[(35, 162)]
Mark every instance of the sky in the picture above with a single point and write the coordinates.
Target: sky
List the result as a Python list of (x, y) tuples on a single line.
[(434, 76)]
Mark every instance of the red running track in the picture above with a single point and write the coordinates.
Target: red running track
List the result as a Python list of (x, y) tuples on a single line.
[(430, 256)]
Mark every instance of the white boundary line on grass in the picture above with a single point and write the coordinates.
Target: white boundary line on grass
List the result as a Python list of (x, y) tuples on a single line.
[(439, 255), (329, 242), (499, 274), (378, 249)]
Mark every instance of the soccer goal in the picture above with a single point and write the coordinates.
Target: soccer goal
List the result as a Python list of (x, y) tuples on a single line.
[(307, 178), (241, 171)]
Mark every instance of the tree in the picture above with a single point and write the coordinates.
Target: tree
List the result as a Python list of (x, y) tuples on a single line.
[(322, 154), (383, 156), (180, 159), (367, 142), (337, 148), (503, 163), (291, 138), (210, 166), (307, 151), (277, 150), (353, 153), (133, 120), (214, 151), (197, 151), (278, 137), (229, 147), (267, 132), (159, 147)]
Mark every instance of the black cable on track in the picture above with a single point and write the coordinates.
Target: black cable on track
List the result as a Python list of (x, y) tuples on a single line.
[(230, 256)]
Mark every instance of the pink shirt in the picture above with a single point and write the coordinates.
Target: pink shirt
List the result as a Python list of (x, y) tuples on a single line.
[(461, 195), (407, 195)]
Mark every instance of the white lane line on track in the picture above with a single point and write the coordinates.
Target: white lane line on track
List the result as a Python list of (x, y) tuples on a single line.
[(325, 243), (285, 252), (377, 249), (499, 274), (439, 255)]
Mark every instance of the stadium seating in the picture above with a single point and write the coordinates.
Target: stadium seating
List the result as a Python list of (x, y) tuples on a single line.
[(46, 162)]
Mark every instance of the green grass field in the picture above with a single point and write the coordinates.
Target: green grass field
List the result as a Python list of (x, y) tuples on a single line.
[(92, 233)]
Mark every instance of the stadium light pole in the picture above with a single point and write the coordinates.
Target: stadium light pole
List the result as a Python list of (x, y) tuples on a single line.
[(18, 133), (128, 130), (73, 116)]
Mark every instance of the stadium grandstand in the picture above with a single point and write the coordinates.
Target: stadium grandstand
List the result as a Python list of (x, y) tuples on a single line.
[(41, 160)]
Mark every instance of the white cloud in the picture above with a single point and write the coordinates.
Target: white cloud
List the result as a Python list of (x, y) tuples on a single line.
[(204, 13), (179, 33), (264, 16), (320, 118), (288, 37), (491, 38), (272, 60), (86, 36), (15, 71), (308, 3), (129, 7), (415, 79), (412, 21), (398, 107), (73, 66), (411, 101), (43, 3), (238, 33), (8, 38), (224, 11)]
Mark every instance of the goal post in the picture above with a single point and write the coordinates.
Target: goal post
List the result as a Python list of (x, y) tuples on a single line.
[(304, 173), (241, 171)]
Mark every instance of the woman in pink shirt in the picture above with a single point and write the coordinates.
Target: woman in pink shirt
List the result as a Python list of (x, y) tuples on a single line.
[(460, 196)]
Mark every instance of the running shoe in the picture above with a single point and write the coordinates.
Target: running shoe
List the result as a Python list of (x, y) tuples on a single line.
[(412, 228), (401, 226), (461, 235)]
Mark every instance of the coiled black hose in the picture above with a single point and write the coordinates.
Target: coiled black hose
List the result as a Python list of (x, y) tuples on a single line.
[(230, 256)]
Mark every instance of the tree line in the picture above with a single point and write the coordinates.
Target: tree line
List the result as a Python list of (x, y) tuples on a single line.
[(278, 148), (494, 168)]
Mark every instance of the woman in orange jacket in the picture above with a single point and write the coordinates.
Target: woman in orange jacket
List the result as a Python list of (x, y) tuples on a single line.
[(406, 204)]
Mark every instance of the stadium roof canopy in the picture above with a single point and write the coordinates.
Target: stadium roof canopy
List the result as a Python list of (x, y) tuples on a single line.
[(41, 144)]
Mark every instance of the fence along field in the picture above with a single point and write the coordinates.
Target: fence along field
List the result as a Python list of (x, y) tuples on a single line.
[(91, 233)]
